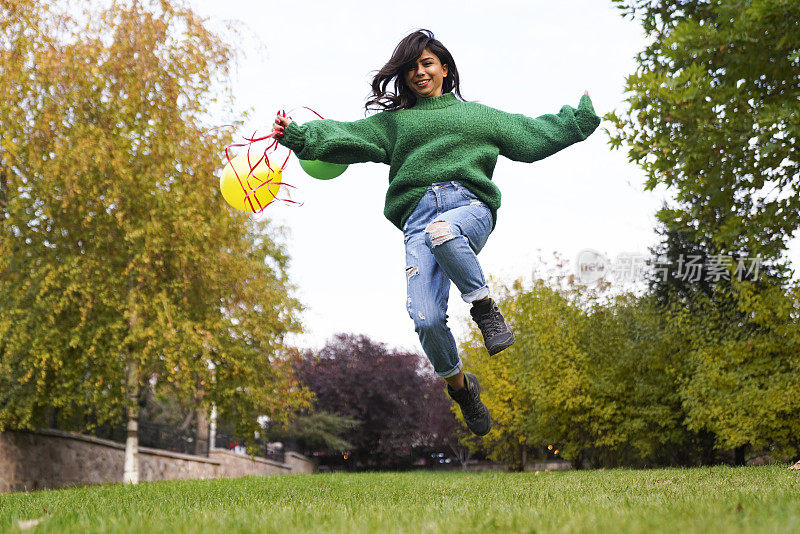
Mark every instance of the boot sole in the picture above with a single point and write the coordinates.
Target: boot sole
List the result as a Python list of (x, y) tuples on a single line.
[(503, 342)]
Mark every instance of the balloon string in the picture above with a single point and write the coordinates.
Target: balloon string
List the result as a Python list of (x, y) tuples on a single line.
[(250, 197), (309, 109)]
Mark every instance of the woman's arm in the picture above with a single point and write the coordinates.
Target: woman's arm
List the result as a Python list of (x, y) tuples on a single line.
[(337, 142), (527, 139)]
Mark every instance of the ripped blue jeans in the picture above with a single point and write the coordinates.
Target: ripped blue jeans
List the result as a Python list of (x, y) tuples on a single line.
[(443, 237)]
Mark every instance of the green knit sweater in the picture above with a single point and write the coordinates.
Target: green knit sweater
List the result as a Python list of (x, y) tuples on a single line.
[(438, 140)]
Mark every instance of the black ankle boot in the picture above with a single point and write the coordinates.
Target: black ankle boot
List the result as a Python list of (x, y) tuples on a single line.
[(496, 333), (475, 412)]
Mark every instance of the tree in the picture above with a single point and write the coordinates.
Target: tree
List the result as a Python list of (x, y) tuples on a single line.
[(122, 266), (706, 308), (320, 431), (638, 364), (712, 115), (389, 391), (742, 387), (713, 107), (537, 390), (597, 377)]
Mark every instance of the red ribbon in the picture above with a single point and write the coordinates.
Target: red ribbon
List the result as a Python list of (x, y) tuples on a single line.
[(249, 193)]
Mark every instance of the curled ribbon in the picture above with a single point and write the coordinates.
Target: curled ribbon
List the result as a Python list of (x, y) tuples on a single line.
[(250, 197)]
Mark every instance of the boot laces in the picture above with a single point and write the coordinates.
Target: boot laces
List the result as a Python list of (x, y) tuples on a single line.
[(472, 408), (491, 323)]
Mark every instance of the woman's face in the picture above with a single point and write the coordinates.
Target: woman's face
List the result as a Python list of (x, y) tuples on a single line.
[(426, 76)]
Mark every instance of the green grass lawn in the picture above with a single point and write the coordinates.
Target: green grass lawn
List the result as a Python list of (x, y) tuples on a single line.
[(718, 499)]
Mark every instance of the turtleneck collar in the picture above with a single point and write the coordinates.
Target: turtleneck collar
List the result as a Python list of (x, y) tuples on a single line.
[(436, 102)]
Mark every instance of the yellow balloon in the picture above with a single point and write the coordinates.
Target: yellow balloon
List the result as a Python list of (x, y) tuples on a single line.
[(252, 190)]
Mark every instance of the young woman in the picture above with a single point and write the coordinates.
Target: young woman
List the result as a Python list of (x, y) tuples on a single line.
[(441, 153)]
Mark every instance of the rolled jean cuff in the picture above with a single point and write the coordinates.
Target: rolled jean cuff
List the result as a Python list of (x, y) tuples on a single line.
[(478, 294), (452, 372)]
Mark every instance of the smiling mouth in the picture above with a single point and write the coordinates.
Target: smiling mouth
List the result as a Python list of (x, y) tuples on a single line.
[(423, 83)]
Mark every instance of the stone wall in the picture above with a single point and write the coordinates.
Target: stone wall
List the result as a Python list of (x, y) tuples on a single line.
[(299, 463), (155, 464), (54, 459), (236, 465)]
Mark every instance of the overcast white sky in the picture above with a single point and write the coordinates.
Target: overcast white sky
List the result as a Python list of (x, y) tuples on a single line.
[(527, 57)]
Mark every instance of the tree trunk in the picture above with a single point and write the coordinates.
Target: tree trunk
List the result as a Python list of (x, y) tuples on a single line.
[(201, 434), (3, 193), (3, 206), (131, 470), (739, 455), (212, 429), (463, 454), (517, 462), (577, 462)]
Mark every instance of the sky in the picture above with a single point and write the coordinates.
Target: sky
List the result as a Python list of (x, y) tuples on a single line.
[(530, 57)]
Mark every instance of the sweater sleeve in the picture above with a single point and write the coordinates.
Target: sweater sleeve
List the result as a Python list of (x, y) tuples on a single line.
[(339, 142), (527, 139)]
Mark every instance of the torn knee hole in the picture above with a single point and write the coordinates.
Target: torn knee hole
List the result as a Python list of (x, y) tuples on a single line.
[(411, 271), (439, 232)]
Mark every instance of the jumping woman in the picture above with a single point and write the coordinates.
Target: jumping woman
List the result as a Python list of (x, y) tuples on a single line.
[(441, 152)]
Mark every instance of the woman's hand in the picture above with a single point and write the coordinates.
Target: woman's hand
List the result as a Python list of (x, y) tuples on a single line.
[(281, 123)]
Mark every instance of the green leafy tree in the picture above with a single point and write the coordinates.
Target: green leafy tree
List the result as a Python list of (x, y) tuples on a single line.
[(712, 115), (709, 316), (319, 431), (121, 266), (637, 368), (742, 387), (597, 377)]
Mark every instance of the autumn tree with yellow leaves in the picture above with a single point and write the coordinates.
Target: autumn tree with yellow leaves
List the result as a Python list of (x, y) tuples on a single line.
[(591, 378), (121, 267), (536, 390)]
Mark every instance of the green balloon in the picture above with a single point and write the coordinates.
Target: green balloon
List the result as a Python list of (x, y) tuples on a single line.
[(322, 170)]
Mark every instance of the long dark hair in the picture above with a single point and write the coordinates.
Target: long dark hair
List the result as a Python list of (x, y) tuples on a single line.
[(404, 56)]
